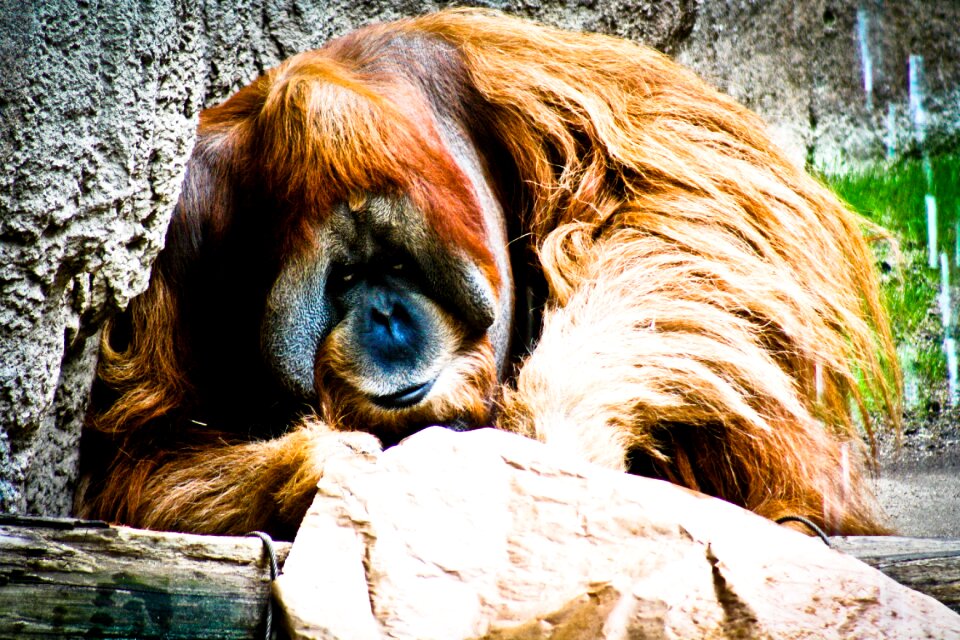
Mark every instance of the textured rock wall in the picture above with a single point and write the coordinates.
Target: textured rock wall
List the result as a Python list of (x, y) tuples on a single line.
[(98, 102), (96, 123), (801, 65), (98, 108)]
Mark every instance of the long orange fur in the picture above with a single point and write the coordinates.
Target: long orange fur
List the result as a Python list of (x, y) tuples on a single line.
[(712, 318)]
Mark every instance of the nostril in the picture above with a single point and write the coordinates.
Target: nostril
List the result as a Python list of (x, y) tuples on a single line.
[(399, 313), (385, 324), (392, 333), (380, 317), (394, 320)]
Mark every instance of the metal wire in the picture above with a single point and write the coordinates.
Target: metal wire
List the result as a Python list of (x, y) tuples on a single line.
[(274, 570), (813, 527)]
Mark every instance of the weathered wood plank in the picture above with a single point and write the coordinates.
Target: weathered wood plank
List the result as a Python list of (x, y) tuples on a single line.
[(65, 578), (73, 579), (929, 565)]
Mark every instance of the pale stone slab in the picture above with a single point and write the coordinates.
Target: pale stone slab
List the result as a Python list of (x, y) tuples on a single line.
[(489, 535)]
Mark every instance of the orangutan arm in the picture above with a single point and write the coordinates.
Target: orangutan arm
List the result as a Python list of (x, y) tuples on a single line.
[(223, 488)]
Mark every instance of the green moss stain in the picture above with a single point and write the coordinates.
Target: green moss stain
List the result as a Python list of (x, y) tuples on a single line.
[(920, 271)]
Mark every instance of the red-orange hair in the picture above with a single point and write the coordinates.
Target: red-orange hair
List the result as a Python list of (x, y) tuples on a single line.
[(712, 311)]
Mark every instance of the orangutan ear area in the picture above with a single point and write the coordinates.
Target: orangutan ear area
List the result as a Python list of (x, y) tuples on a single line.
[(470, 220)]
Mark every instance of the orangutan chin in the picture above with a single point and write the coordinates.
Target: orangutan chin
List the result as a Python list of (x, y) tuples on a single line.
[(468, 219)]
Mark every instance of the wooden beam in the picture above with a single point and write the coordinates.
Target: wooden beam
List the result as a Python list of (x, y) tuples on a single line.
[(928, 565), (69, 578)]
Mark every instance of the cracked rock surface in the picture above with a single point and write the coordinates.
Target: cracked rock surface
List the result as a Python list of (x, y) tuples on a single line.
[(489, 535)]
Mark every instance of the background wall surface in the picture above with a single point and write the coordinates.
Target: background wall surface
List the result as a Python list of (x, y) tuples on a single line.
[(99, 99)]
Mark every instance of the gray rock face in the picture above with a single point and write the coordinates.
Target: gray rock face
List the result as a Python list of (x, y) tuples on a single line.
[(98, 118), (488, 535), (98, 104), (96, 128), (801, 65)]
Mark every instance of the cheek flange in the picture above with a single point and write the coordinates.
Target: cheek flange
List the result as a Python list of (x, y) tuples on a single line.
[(297, 318)]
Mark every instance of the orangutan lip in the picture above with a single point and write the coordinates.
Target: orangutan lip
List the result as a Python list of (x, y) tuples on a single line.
[(405, 397)]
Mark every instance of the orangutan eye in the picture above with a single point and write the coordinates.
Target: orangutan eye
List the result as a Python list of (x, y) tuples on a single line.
[(343, 276)]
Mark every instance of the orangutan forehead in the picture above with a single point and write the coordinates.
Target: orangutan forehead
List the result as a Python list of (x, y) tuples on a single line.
[(320, 119), (327, 135), (330, 134)]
